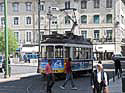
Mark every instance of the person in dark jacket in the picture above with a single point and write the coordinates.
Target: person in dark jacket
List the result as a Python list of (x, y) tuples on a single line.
[(4, 66), (117, 66)]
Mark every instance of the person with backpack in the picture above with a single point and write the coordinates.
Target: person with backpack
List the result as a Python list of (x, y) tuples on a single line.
[(99, 80)]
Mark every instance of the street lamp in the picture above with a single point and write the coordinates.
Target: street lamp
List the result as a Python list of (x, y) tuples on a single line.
[(6, 39)]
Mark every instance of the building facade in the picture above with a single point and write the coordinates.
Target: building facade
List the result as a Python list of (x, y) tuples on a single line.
[(101, 21)]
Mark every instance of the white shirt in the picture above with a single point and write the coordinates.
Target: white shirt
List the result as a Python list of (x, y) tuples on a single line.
[(99, 77)]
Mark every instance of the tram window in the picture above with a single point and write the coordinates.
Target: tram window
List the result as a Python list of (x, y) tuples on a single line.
[(58, 52), (83, 53), (67, 52), (50, 52), (87, 55)]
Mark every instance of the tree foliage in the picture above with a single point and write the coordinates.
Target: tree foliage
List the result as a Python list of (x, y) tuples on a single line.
[(12, 42)]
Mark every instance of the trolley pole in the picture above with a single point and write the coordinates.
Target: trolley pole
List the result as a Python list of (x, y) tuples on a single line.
[(6, 39), (38, 69)]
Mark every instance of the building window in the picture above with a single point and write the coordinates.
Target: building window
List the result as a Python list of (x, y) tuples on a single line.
[(28, 36), (42, 7), (96, 34), (28, 6), (2, 21), (67, 20), (28, 20), (1, 7), (15, 7), (96, 19), (96, 3), (16, 20), (122, 19), (83, 4), (109, 18), (84, 34), (109, 34), (67, 4), (108, 3), (83, 19), (16, 34)]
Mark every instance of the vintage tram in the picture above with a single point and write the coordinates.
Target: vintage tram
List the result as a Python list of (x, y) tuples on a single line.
[(59, 47)]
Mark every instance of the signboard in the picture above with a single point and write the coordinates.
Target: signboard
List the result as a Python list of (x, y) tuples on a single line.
[(77, 65)]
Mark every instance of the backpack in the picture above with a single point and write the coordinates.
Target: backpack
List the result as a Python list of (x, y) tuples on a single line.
[(103, 78)]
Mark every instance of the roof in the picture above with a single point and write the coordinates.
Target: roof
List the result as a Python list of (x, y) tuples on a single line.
[(65, 38)]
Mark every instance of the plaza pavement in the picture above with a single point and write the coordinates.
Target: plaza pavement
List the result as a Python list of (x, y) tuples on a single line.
[(114, 87)]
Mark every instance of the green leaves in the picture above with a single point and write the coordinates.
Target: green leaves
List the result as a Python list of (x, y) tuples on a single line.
[(12, 42)]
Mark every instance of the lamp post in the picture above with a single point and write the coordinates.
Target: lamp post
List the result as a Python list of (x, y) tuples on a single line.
[(38, 69), (6, 39), (49, 17)]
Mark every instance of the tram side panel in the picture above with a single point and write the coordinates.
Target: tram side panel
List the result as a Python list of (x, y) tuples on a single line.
[(58, 65), (82, 65)]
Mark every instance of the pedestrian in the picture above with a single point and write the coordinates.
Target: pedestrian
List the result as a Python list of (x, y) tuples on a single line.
[(99, 80), (4, 66), (117, 66), (50, 76), (69, 76)]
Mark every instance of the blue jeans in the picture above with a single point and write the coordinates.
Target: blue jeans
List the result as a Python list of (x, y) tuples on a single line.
[(69, 77)]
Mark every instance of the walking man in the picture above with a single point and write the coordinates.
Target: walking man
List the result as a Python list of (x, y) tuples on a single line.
[(99, 80), (69, 76), (118, 66), (50, 76)]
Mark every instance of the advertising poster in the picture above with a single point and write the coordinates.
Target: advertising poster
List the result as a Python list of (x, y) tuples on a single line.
[(57, 64)]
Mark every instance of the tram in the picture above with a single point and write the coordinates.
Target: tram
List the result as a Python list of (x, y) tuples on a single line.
[(59, 48)]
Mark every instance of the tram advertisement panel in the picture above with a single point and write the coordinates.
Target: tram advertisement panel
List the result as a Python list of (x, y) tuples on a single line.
[(78, 65), (57, 64)]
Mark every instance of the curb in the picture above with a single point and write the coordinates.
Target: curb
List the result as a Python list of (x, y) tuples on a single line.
[(18, 77)]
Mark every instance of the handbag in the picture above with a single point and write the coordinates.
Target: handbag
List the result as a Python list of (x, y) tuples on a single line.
[(106, 90)]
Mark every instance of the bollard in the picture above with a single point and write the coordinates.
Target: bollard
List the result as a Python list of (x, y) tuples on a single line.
[(123, 82)]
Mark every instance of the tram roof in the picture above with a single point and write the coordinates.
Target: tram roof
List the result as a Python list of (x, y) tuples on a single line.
[(69, 38)]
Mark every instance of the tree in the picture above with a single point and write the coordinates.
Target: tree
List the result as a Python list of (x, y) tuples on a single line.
[(12, 42)]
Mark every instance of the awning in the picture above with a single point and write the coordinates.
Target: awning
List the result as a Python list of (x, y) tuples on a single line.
[(103, 48), (30, 49)]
